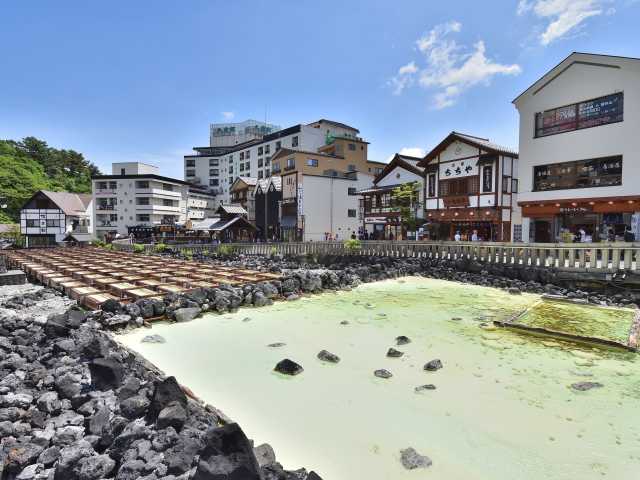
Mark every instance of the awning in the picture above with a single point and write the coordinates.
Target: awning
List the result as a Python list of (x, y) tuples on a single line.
[(382, 189), (205, 224)]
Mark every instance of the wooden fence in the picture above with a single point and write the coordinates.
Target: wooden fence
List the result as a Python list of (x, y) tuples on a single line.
[(592, 257)]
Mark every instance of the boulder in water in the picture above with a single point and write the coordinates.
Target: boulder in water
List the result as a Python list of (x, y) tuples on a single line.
[(411, 459), (433, 365), (288, 367), (393, 353), (584, 386), (382, 373), (402, 340), (327, 356)]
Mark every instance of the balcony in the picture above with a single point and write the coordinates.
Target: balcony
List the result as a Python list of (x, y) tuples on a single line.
[(105, 207), (158, 208), (105, 191), (158, 192)]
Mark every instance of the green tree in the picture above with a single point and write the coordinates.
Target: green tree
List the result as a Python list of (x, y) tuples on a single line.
[(31, 165), (404, 200)]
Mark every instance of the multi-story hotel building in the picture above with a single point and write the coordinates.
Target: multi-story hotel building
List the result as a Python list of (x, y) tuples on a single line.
[(579, 164), (217, 167), (470, 185), (136, 195), (320, 189)]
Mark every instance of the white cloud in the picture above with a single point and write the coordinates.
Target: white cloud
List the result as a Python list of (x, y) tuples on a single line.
[(228, 115), (563, 16), (410, 151), (449, 68)]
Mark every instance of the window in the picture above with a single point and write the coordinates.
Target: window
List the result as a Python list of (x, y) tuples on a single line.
[(32, 223), (267, 160), (190, 163), (142, 217), (352, 147), (458, 186), (142, 184), (352, 191), (351, 168), (53, 223), (142, 201), (312, 162), (113, 217), (275, 168), (260, 162), (291, 163), (597, 172), (294, 141), (230, 180), (122, 171), (167, 203), (190, 173), (241, 155), (213, 162), (230, 168), (514, 185), (487, 181), (168, 187), (101, 185), (267, 149), (260, 174), (590, 113), (213, 172), (260, 150), (351, 213), (242, 167), (267, 172), (431, 185), (113, 185), (214, 182), (506, 184), (247, 166), (278, 145)]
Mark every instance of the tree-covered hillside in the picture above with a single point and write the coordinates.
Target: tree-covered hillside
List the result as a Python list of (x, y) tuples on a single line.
[(31, 165)]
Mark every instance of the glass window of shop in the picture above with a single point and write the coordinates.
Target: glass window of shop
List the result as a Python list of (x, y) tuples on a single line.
[(596, 172)]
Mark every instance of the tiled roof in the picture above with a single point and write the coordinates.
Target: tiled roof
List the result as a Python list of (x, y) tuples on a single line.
[(485, 142), (69, 203)]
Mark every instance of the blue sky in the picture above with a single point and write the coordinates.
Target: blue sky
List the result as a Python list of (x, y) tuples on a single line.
[(142, 80)]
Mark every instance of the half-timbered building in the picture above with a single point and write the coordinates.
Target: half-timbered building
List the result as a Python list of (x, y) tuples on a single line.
[(470, 186)]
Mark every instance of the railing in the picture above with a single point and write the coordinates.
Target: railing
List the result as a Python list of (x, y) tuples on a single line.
[(574, 257)]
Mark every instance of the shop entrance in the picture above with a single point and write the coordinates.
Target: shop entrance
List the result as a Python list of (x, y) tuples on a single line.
[(543, 231)]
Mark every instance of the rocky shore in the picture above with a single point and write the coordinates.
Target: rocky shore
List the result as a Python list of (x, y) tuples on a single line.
[(76, 405), (302, 275)]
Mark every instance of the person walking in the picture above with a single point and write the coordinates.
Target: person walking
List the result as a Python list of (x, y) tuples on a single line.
[(457, 236)]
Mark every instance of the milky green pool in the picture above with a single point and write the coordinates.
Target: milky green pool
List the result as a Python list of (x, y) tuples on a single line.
[(503, 408)]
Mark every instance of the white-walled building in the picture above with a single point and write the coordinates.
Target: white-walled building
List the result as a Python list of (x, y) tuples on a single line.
[(217, 167), (48, 218), (380, 216), (231, 134), (471, 184), (135, 194), (579, 150)]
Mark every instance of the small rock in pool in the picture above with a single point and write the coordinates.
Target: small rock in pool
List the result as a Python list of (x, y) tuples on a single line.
[(382, 373), (276, 345), (288, 367), (433, 365), (344, 322), (153, 339), (402, 340), (327, 356), (246, 319), (456, 319), (370, 305), (422, 388), (584, 386), (393, 353), (411, 459)]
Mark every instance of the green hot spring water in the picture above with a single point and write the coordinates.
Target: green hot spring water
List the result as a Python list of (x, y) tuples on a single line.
[(503, 407)]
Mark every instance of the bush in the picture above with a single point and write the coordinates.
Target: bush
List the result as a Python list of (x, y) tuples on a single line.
[(98, 243), (273, 251), (352, 245), (160, 248), (138, 248), (225, 250)]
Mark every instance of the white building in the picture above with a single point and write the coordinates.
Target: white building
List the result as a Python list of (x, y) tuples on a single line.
[(579, 150), (201, 204), (51, 217), (380, 217), (217, 167), (136, 195), (471, 184)]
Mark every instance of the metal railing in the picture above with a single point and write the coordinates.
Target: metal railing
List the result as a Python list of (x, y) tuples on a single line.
[(577, 257)]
